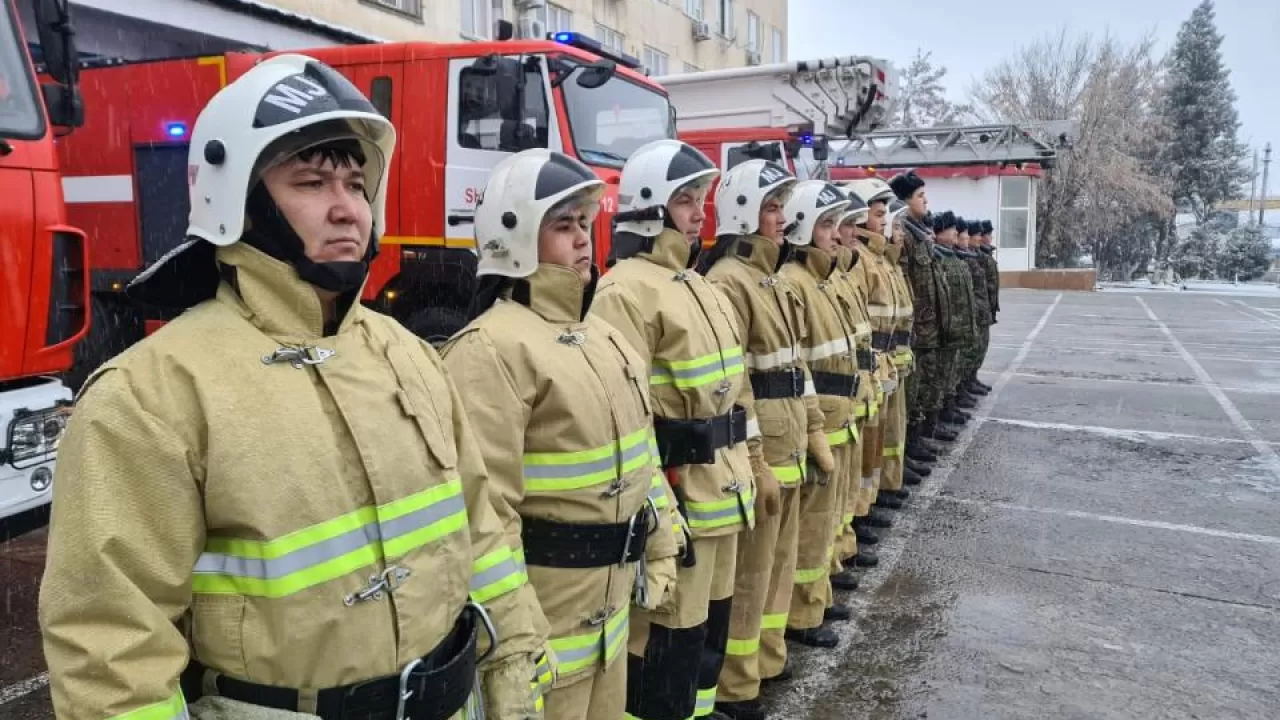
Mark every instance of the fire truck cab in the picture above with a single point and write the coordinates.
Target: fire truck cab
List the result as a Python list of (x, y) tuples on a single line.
[(43, 291), (458, 110)]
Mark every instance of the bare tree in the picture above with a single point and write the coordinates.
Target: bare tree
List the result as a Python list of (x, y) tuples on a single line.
[(1105, 182)]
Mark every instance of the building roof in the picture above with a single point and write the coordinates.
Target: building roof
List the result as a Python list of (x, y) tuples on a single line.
[(298, 20)]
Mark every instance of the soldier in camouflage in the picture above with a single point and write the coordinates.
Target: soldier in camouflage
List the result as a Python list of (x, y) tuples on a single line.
[(967, 249), (961, 331), (987, 253)]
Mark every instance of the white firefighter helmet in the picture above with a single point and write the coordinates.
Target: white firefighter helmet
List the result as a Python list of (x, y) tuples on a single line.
[(870, 190), (896, 209), (279, 108), (857, 210), (811, 201), (652, 176), (520, 192), (743, 191)]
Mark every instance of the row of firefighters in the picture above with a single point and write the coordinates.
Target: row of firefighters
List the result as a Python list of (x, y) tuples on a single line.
[(609, 496)]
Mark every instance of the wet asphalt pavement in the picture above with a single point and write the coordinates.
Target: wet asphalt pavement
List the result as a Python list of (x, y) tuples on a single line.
[(1103, 541)]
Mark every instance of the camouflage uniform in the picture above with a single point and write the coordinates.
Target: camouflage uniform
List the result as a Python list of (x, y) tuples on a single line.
[(981, 312), (932, 314), (960, 332)]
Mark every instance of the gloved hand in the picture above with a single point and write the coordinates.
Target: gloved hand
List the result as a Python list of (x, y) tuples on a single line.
[(768, 493), (820, 451), (507, 691), (660, 580)]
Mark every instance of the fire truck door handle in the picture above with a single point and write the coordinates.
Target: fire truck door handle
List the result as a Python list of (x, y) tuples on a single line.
[(461, 219)]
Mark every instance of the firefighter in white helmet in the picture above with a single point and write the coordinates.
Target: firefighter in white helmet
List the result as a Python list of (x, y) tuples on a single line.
[(688, 333), (275, 504), (560, 403), (829, 349), (744, 265)]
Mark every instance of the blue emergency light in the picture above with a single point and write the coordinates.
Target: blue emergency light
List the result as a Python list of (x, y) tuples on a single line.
[(175, 129), (591, 45)]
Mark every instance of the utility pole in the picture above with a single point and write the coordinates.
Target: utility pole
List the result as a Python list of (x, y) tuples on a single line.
[(1266, 166), (1253, 186)]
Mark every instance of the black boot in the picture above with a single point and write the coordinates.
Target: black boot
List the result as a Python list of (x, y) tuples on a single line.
[(819, 637), (966, 401), (910, 477), (954, 416), (917, 453), (864, 533), (846, 580), (866, 557), (745, 710), (980, 384), (838, 612), (889, 500), (786, 674), (919, 469), (938, 431), (879, 519), (976, 388), (902, 493)]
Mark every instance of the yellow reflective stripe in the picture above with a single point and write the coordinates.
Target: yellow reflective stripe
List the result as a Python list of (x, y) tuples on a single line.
[(331, 549), (558, 471), (848, 518), (687, 374), (750, 646), (717, 513), (705, 703), (496, 573), (174, 708), (861, 410), (895, 451), (776, 621), (658, 485), (542, 681), (844, 435), (579, 652), (790, 474), (811, 575)]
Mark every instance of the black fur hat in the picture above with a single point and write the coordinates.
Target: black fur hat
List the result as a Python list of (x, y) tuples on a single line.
[(906, 184)]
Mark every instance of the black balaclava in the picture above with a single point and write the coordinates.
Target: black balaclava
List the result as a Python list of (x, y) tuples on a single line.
[(269, 231)]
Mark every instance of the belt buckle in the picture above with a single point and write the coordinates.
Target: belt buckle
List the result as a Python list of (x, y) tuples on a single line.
[(405, 693), (797, 382)]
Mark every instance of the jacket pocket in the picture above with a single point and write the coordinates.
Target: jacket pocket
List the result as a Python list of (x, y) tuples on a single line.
[(635, 374), (216, 632), (423, 394)]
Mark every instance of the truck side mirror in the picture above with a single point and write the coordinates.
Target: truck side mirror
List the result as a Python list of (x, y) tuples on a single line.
[(64, 105), (597, 73), (53, 23)]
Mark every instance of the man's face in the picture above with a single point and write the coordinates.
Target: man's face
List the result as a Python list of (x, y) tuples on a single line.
[(918, 205), (947, 237), (323, 199), (848, 235), (876, 217), (962, 239), (825, 233), (772, 220), (687, 213), (565, 239)]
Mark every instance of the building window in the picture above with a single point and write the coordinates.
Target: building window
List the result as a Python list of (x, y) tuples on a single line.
[(490, 119), (691, 68), (779, 55), (655, 61), (610, 38), (475, 18), (753, 32), (726, 18), (555, 18), (408, 7), (693, 8), (1014, 230)]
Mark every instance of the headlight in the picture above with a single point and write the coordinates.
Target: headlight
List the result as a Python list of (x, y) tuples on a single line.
[(34, 436)]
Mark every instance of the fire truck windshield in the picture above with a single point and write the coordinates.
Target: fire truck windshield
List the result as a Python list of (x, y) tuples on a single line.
[(20, 116), (612, 121)]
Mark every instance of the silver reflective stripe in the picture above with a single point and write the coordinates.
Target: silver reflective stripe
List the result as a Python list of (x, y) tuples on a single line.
[(882, 311), (839, 346), (809, 389), (418, 519), (753, 428), (569, 470), (784, 356), (300, 559), (705, 516), (495, 574)]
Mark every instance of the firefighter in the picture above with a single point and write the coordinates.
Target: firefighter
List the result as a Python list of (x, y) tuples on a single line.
[(912, 473), (744, 264), (981, 309), (961, 330), (560, 405), (830, 353), (706, 430), (275, 503), (932, 307), (857, 542)]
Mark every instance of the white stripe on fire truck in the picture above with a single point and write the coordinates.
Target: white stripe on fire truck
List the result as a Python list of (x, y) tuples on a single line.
[(98, 188)]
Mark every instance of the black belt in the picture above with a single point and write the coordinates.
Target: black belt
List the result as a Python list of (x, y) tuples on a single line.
[(694, 442), (777, 384), (866, 361), (548, 543), (902, 337), (882, 341), (835, 384), (434, 687)]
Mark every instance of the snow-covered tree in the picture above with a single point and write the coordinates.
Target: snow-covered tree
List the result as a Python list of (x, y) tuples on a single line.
[(922, 97), (1197, 255), (1245, 255), (1203, 159)]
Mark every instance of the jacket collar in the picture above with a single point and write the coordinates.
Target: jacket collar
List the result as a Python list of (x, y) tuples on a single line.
[(875, 241), (670, 249), (272, 296), (893, 252), (555, 293), (944, 250), (818, 262), (988, 249), (759, 252)]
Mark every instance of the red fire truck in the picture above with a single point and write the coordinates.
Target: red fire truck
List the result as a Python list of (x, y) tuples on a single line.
[(458, 109), (43, 285)]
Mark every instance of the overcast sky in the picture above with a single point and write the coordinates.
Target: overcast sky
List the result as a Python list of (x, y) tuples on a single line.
[(968, 36)]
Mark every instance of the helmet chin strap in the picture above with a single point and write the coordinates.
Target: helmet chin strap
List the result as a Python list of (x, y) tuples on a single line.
[(271, 233)]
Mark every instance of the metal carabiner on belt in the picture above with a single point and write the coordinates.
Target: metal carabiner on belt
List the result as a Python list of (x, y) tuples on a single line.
[(475, 704)]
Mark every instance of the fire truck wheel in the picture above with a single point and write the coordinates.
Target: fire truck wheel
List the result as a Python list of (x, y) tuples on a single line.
[(115, 324), (437, 324)]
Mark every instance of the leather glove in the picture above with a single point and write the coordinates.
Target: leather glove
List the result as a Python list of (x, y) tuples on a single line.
[(659, 579), (768, 493), (820, 451), (507, 691)]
